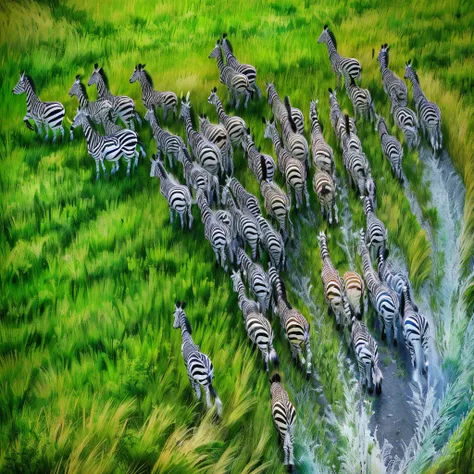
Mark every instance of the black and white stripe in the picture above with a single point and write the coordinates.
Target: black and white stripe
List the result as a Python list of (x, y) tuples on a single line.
[(323, 154), (122, 106), (284, 419), (393, 279), (297, 117), (428, 112), (355, 292), (295, 325), (294, 142), (259, 163), (246, 201), (178, 196), (407, 122), (151, 98), (376, 233), (272, 242), (237, 83), (110, 127), (45, 114), (367, 356), (198, 365), (391, 148), (325, 190), (336, 116), (361, 99), (339, 64), (258, 327)]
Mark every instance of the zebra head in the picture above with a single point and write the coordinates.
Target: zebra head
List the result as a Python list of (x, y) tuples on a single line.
[(137, 72), (20, 87), (382, 57), (322, 238), (225, 189), (371, 191), (157, 169), (80, 118), (180, 318), (216, 52), (377, 378), (185, 107), (77, 88), (367, 204), (236, 278), (410, 72), (361, 247), (325, 35), (213, 97), (313, 110), (95, 76), (269, 127), (150, 115)]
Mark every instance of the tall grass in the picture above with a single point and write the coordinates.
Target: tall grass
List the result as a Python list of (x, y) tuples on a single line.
[(91, 373)]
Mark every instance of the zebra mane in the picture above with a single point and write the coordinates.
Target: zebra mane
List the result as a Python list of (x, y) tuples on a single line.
[(104, 77), (147, 76), (283, 293), (83, 89), (162, 168), (263, 165), (348, 124), (333, 38), (31, 82), (290, 118), (229, 45)]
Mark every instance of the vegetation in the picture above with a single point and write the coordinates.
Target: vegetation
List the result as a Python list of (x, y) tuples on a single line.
[(91, 374)]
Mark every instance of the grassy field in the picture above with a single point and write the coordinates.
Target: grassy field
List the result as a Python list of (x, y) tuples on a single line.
[(91, 375)]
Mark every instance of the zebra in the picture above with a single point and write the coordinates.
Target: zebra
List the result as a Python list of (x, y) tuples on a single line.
[(367, 356), (272, 242), (384, 300), (258, 163), (166, 142), (122, 106), (416, 331), (357, 166), (246, 69), (361, 99), (323, 154), (391, 148), (279, 110), (237, 83), (407, 122), (355, 291), (198, 365), (111, 148), (257, 279), (337, 119), (151, 98), (392, 278), (217, 134), (257, 326), (284, 419), (394, 87), (235, 126), (216, 232), (96, 109), (297, 117), (292, 169), (277, 204), (47, 114), (371, 191), (295, 325), (294, 142), (197, 177), (208, 155), (178, 196), (428, 112), (325, 189), (110, 127), (246, 201), (376, 235), (339, 64), (244, 225), (333, 286)]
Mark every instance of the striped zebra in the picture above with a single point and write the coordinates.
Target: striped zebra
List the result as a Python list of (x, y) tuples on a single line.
[(355, 292), (218, 234), (284, 419), (367, 356), (111, 148), (337, 118), (96, 109), (257, 326), (235, 126), (383, 299), (166, 142), (393, 279), (349, 139), (297, 117), (294, 142), (279, 110), (277, 204), (391, 148), (292, 169), (407, 122), (257, 279), (333, 286), (198, 365), (416, 331), (244, 225), (325, 189), (323, 154), (122, 106), (178, 196), (49, 115), (110, 127), (428, 112), (361, 99), (246, 201), (272, 242), (237, 83), (208, 155), (357, 166), (246, 69), (259, 163), (376, 233), (151, 98), (217, 134), (339, 64), (197, 177), (394, 87), (371, 191), (295, 325)]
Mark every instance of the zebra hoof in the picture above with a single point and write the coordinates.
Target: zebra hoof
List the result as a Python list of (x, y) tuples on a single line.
[(308, 375), (291, 468), (395, 342), (370, 390)]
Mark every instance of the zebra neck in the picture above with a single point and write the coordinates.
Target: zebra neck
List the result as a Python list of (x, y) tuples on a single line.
[(31, 97), (331, 48), (89, 132), (188, 124), (229, 55), (83, 100), (102, 91), (316, 127), (146, 86), (220, 63), (418, 94), (276, 140), (220, 110)]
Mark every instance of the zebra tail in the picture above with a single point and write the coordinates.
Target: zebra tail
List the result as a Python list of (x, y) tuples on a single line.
[(217, 400), (273, 356), (138, 118), (142, 149)]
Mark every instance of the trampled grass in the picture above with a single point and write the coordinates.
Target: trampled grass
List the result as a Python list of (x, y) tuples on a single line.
[(91, 373)]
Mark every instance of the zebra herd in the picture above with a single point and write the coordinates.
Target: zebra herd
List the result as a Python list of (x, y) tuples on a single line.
[(232, 218)]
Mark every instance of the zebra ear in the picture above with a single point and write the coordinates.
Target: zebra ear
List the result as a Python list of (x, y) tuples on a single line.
[(373, 53), (264, 120), (188, 325), (275, 378), (176, 303), (248, 131), (325, 27), (183, 304), (224, 35), (215, 89), (143, 66), (78, 77)]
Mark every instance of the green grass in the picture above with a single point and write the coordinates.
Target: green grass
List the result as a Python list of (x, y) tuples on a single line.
[(91, 376)]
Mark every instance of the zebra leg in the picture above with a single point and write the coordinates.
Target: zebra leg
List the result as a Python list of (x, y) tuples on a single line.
[(208, 398), (181, 218), (306, 195), (223, 259), (368, 375), (247, 97), (196, 387), (97, 169), (46, 132), (190, 217), (395, 332), (138, 118), (336, 210), (130, 123), (129, 165), (171, 216), (237, 100), (257, 90), (39, 126), (165, 113), (309, 357)]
